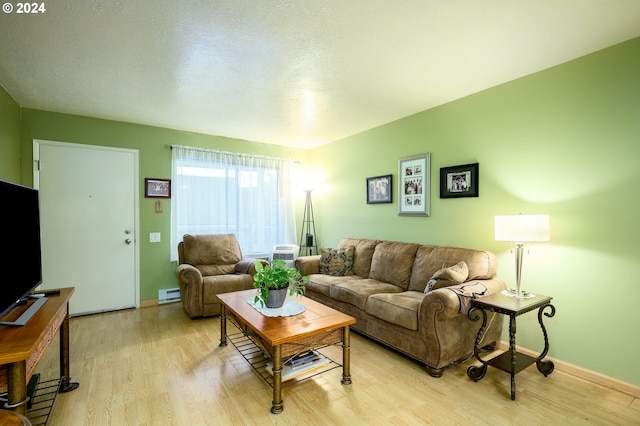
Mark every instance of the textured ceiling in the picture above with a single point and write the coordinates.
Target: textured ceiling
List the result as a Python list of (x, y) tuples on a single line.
[(289, 72)]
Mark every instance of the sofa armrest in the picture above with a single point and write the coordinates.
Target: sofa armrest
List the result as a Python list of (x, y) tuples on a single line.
[(247, 266), (445, 327), (454, 300), (308, 265)]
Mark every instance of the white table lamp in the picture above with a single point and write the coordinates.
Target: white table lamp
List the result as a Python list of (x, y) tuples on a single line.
[(520, 229)]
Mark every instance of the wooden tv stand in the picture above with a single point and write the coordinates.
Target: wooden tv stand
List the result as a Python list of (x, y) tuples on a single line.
[(21, 349)]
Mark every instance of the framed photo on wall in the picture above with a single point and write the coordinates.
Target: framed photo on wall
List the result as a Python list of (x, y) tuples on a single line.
[(157, 188), (459, 181), (379, 189), (414, 187)]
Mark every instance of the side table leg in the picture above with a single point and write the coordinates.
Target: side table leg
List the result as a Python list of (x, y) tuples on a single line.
[(276, 404), (346, 357), (66, 385), (512, 349), (223, 327), (545, 367), (476, 373)]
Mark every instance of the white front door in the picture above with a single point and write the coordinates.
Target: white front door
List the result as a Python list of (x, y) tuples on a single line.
[(89, 215)]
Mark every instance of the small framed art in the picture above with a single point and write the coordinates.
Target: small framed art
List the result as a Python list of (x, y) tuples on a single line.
[(414, 185), (157, 188), (379, 189), (459, 181)]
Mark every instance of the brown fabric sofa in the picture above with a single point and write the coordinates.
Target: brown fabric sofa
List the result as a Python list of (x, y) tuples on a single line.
[(207, 266), (385, 293)]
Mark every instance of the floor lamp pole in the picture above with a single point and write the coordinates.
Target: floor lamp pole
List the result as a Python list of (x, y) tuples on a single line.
[(307, 235)]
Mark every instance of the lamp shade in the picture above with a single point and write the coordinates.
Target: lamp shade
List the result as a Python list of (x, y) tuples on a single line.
[(522, 227)]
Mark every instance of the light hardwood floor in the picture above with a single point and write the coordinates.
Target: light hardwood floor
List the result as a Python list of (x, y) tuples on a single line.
[(155, 366)]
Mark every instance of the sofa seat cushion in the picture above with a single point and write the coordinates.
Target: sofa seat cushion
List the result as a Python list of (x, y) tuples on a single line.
[(356, 292), (321, 283), (396, 308)]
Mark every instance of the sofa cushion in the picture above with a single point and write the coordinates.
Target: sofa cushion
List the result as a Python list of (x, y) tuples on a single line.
[(455, 274), (392, 262), (356, 291), (321, 283), (430, 259), (397, 308), (362, 254), (421, 271), (337, 262)]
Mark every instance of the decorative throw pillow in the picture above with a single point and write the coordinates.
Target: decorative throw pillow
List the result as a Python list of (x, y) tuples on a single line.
[(337, 262), (455, 274)]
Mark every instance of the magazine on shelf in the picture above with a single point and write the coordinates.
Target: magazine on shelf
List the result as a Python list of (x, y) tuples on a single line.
[(300, 364), (303, 358)]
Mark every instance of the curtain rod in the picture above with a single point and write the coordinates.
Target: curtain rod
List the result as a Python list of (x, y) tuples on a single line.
[(235, 154)]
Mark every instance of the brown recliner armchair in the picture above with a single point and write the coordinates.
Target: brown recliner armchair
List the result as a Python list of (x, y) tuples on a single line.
[(207, 266)]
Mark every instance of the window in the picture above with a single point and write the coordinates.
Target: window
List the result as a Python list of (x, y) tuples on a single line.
[(218, 192)]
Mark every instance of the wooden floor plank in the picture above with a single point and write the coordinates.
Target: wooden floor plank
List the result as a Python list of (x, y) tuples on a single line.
[(155, 366)]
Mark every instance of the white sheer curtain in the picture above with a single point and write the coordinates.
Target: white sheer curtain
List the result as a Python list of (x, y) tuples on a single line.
[(215, 192)]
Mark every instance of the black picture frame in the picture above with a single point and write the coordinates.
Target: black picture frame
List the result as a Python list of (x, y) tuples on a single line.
[(379, 189), (157, 188), (460, 181)]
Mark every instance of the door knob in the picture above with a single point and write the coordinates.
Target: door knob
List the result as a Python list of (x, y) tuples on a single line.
[(127, 241)]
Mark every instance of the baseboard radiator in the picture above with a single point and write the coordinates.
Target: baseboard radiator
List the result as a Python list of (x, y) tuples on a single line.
[(168, 295)]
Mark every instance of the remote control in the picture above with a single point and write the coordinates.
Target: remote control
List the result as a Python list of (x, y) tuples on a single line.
[(46, 293)]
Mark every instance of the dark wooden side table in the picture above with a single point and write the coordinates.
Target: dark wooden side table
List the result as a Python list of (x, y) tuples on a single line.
[(510, 361), (21, 349)]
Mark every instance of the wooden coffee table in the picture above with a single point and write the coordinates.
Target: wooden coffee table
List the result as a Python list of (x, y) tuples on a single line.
[(283, 337)]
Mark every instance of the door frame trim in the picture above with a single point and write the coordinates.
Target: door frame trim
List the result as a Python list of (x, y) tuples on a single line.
[(136, 191)]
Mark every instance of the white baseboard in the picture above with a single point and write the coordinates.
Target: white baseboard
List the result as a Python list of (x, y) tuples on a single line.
[(583, 373)]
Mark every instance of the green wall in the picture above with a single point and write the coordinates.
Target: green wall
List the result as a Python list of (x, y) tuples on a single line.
[(9, 138), (564, 141), (156, 272)]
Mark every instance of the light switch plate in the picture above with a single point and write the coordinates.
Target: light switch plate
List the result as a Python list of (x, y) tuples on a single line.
[(154, 237)]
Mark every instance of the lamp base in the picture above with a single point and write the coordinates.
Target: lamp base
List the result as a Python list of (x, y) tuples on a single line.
[(518, 294)]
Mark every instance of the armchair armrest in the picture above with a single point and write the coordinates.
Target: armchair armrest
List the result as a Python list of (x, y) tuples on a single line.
[(308, 265), (188, 274), (190, 280), (247, 266)]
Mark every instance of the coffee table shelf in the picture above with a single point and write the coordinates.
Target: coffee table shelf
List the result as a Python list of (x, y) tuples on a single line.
[(258, 358)]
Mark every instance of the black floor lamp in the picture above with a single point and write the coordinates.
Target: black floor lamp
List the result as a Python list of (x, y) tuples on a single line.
[(308, 233)]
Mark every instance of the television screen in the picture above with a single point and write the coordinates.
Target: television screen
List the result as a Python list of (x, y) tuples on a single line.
[(21, 249)]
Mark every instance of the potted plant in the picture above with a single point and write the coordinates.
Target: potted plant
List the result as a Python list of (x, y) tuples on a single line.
[(272, 282)]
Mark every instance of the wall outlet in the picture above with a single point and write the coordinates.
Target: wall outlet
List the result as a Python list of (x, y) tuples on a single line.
[(154, 237)]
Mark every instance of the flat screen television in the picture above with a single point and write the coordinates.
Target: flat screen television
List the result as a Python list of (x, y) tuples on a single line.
[(20, 249)]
